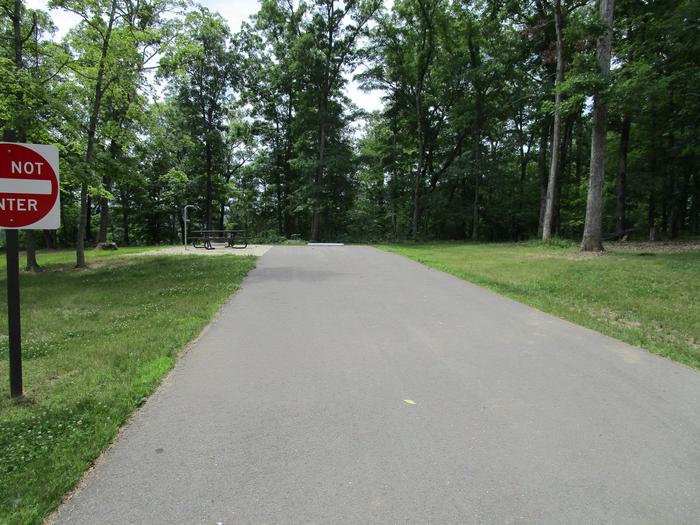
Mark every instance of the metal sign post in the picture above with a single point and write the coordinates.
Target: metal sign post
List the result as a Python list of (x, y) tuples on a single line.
[(29, 199), (14, 326), (185, 221)]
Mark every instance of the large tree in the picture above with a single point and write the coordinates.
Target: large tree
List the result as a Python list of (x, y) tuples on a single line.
[(593, 229), (200, 69)]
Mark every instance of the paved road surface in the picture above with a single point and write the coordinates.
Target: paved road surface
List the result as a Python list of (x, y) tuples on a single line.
[(291, 409)]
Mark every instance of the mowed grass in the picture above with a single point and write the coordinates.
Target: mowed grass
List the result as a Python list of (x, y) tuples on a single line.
[(647, 299), (96, 343)]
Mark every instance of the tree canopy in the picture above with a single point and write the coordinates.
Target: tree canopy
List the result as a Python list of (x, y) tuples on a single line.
[(494, 115)]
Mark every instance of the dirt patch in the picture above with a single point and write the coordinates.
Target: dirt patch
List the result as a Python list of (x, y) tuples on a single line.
[(649, 247)]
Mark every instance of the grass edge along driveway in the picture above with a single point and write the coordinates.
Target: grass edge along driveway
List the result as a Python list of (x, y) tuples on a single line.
[(96, 344), (647, 299)]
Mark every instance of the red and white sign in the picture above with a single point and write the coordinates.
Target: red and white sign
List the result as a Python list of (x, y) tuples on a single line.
[(29, 187)]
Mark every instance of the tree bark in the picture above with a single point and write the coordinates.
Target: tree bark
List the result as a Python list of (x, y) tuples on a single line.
[(622, 173), (92, 131), (593, 228), (554, 161)]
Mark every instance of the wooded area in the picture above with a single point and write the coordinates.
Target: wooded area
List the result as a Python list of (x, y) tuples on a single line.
[(502, 120)]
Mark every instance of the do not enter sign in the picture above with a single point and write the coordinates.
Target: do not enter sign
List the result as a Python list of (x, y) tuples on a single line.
[(29, 199), (29, 187)]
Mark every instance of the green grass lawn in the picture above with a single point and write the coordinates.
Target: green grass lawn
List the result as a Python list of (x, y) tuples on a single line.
[(644, 298), (96, 343)]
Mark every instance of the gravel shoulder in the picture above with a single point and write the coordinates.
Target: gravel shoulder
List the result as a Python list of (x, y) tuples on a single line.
[(251, 249)]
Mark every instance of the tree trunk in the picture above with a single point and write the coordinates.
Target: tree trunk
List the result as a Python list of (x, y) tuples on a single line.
[(554, 161), (125, 223), (104, 201), (316, 212), (475, 208), (542, 164), (50, 239), (474, 236), (561, 177), (92, 131), (210, 186), (475, 63), (683, 201), (104, 220), (20, 123), (578, 171), (622, 173), (653, 234), (315, 225), (653, 166), (88, 225), (104, 211), (524, 160), (593, 228), (675, 192), (419, 167), (695, 207), (32, 265), (324, 95), (279, 170), (289, 147)]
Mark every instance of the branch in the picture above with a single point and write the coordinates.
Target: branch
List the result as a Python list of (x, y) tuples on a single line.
[(24, 40), (450, 160), (82, 75), (350, 42), (58, 71), (85, 17)]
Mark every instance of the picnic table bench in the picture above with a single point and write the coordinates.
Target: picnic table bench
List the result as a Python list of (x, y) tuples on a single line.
[(230, 238), (618, 235)]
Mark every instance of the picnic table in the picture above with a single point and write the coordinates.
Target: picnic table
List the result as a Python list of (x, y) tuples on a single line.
[(206, 239), (621, 235)]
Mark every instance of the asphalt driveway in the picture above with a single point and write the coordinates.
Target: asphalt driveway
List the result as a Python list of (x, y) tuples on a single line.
[(294, 407)]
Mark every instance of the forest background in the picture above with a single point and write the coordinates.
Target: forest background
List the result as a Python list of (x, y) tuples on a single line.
[(498, 121)]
